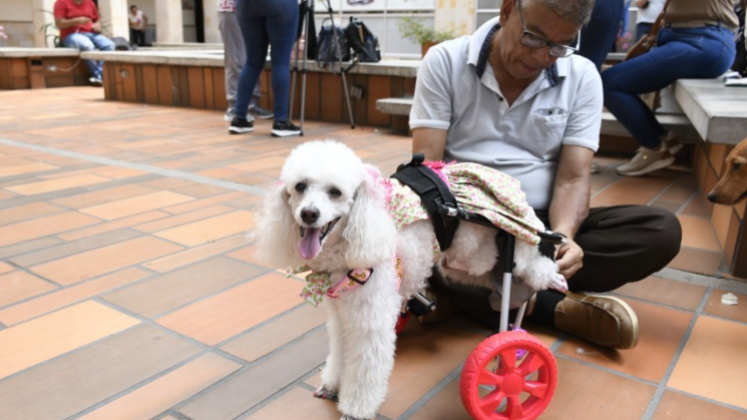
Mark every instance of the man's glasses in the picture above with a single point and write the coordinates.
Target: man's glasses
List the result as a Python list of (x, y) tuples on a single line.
[(531, 40)]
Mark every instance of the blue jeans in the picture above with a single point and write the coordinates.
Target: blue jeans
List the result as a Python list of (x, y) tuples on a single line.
[(697, 53), (263, 23), (88, 41), (598, 36)]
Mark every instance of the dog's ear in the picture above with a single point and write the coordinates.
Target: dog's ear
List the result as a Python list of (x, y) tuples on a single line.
[(370, 232), (275, 233)]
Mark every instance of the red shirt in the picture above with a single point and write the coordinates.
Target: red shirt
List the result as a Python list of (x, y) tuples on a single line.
[(68, 9)]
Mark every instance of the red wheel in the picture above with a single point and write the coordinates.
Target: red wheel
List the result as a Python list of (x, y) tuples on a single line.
[(509, 376)]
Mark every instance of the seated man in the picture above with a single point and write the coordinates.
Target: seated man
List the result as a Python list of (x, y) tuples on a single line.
[(80, 27), (514, 97)]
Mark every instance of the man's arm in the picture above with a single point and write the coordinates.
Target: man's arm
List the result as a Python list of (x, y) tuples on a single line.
[(429, 141), (63, 23), (570, 204)]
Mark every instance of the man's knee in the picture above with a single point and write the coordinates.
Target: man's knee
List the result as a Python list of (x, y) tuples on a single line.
[(79, 42), (663, 231), (105, 44)]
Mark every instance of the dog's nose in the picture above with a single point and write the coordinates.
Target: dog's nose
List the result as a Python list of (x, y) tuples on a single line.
[(712, 197), (310, 215)]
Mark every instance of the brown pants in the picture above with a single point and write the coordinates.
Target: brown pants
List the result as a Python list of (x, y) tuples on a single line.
[(621, 245)]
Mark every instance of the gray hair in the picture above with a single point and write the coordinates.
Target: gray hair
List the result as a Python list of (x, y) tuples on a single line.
[(576, 11)]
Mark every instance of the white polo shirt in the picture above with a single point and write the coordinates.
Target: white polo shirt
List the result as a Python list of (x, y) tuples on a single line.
[(562, 106)]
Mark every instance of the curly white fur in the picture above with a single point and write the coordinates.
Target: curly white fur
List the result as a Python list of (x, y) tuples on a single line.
[(323, 183)]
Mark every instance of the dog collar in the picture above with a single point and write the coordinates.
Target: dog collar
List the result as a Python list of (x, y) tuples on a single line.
[(319, 284)]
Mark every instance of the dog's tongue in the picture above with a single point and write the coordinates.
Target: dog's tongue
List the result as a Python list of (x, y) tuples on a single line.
[(310, 244)]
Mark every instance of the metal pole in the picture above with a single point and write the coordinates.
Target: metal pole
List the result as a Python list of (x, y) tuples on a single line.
[(508, 265), (339, 57)]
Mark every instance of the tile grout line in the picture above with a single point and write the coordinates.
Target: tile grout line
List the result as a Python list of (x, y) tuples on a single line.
[(141, 167), (725, 284), (708, 400), (443, 383), (662, 387), (662, 191)]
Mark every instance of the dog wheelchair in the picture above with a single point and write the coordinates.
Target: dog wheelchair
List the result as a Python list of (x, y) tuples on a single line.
[(510, 375)]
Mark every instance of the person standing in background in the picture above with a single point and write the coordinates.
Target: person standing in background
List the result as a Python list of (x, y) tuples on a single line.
[(138, 23), (648, 11), (234, 52), (264, 23)]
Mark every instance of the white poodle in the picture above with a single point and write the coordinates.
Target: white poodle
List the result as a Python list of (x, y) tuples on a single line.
[(329, 214)]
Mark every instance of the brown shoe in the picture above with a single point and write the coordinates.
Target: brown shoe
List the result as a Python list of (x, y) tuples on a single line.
[(600, 319)]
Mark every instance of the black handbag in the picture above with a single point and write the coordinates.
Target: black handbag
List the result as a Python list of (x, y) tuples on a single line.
[(363, 42), (329, 51)]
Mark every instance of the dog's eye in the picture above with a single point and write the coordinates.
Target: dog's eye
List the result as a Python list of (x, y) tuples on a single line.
[(301, 187), (737, 165), (334, 193)]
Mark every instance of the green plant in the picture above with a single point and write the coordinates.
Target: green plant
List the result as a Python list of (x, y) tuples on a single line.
[(50, 31), (414, 30)]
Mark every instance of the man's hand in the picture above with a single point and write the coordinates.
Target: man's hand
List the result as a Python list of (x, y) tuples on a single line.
[(569, 257), (97, 27)]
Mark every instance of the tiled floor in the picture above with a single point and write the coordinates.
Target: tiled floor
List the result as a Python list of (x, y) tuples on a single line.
[(128, 290)]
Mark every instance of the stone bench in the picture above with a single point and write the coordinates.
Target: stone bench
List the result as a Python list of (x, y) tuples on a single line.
[(195, 78), (35, 68)]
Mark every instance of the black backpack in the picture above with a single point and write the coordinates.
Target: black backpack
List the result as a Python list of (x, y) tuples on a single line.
[(363, 42), (327, 51)]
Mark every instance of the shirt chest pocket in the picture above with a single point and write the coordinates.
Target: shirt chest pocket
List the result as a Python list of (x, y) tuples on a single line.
[(545, 130)]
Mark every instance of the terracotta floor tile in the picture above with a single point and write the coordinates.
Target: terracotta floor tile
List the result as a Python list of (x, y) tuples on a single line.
[(425, 356), (446, 405), (222, 316), (24, 169), (698, 233), (696, 260), (183, 218), (43, 226), (298, 403), (205, 202), (668, 292), (679, 193), (28, 344), (119, 173), (98, 197), (258, 165), (710, 370), (277, 333), (72, 248), (117, 363), (134, 205), (735, 312), (19, 285), (57, 184), (196, 254), (661, 331), (211, 229), (5, 268), (105, 227), (27, 211), (246, 389), (676, 406), (630, 191), (246, 254), (696, 208), (104, 260), (167, 292), (720, 218), (666, 205), (149, 400), (586, 393), (70, 295)]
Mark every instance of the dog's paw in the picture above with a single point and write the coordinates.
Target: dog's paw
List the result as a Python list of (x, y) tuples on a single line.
[(326, 394), (558, 282)]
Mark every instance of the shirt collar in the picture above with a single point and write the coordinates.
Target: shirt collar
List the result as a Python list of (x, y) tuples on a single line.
[(479, 45)]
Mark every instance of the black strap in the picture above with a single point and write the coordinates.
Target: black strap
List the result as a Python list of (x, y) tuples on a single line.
[(434, 195)]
